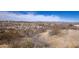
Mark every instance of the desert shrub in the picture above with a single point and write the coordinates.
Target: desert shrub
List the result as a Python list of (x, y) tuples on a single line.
[(9, 36), (69, 26), (39, 42), (26, 43), (29, 33), (55, 30)]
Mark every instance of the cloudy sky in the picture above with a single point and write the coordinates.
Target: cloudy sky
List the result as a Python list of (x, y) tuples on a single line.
[(62, 16)]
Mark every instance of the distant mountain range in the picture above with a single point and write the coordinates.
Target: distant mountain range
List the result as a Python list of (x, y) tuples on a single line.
[(56, 22)]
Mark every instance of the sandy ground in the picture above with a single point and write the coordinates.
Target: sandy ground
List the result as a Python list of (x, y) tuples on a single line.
[(66, 39)]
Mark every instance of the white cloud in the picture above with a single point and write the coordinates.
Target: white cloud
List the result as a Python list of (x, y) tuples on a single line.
[(29, 17)]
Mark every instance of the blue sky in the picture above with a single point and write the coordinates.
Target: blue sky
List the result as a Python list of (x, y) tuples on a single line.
[(66, 16)]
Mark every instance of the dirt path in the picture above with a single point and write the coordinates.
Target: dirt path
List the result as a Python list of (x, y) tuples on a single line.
[(67, 38)]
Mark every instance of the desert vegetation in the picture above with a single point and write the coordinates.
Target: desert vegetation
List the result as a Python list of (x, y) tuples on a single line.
[(38, 35)]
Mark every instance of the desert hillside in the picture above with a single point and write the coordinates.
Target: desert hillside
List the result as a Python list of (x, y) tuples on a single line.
[(38, 35)]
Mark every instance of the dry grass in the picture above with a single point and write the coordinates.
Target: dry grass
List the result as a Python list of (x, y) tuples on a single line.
[(55, 36)]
